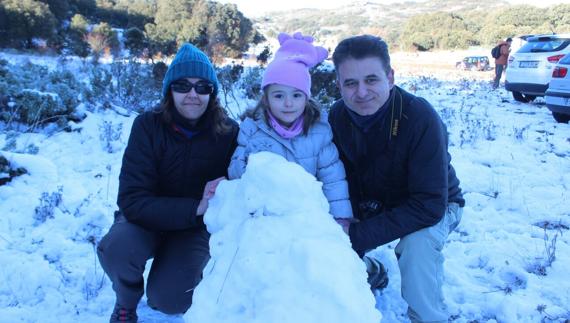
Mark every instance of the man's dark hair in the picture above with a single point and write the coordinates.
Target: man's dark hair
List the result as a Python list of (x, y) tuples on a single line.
[(509, 39), (359, 47)]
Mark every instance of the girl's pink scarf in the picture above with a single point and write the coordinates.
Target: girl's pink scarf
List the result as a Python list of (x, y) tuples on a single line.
[(294, 130)]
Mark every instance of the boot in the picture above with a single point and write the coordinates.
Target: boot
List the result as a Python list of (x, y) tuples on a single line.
[(377, 274), (122, 314)]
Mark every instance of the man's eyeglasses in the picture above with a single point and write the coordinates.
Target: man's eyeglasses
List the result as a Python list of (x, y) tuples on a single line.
[(184, 86)]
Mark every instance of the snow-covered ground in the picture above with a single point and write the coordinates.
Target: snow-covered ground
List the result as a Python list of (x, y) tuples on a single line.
[(506, 262)]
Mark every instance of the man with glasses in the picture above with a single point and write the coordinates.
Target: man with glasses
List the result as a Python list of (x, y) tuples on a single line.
[(175, 158)]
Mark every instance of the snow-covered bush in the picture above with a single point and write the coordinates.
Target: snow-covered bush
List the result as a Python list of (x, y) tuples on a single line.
[(539, 265), (33, 96), (100, 80), (323, 84), (228, 77), (3, 68), (126, 84), (48, 203), (66, 85), (251, 82), (134, 86), (35, 107), (7, 172), (11, 144), (110, 134), (158, 71)]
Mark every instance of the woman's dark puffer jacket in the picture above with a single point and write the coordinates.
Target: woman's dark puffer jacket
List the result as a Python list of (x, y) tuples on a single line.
[(164, 172)]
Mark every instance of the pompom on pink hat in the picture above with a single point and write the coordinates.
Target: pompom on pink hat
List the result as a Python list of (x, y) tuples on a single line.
[(292, 61)]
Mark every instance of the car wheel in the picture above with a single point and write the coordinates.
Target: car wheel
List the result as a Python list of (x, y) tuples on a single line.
[(560, 117), (523, 97)]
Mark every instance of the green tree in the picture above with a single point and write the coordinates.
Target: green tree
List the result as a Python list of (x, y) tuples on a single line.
[(27, 19), (231, 29), (79, 23), (135, 41), (219, 29), (511, 21), (59, 8), (196, 31), (170, 19), (263, 57), (139, 12), (440, 30), (559, 18), (4, 27), (110, 35), (86, 8), (76, 36), (103, 38)]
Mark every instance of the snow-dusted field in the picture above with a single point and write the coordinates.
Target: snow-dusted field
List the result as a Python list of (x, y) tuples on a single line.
[(507, 262)]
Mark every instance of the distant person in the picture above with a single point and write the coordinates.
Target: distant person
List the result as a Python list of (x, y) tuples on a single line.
[(174, 160), (401, 182), (501, 61), (287, 122)]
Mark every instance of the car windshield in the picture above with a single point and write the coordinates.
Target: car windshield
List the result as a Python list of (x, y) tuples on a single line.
[(544, 46)]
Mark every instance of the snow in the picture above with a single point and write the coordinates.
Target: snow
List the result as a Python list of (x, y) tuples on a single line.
[(506, 262), (279, 255)]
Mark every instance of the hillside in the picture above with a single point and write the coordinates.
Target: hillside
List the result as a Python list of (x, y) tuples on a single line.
[(386, 20)]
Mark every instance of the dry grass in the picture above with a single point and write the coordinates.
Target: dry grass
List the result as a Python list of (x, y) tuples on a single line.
[(440, 64)]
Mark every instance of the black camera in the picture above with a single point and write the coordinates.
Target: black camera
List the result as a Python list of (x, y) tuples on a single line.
[(369, 208)]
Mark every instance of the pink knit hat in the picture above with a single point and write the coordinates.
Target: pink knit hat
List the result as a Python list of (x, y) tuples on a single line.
[(291, 63)]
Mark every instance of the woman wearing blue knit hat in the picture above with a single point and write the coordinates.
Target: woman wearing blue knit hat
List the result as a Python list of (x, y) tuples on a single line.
[(175, 158)]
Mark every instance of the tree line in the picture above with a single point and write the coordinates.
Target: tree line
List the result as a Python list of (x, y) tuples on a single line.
[(157, 27), (151, 27), (444, 30), (425, 25)]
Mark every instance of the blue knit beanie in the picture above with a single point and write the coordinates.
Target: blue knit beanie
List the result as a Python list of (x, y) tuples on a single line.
[(189, 62)]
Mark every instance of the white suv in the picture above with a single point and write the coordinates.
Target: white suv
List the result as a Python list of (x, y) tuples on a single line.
[(530, 68), (558, 94)]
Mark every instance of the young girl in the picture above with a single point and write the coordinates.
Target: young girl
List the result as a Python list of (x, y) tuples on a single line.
[(287, 122)]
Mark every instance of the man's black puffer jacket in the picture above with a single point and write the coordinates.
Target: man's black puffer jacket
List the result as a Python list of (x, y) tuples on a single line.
[(402, 163)]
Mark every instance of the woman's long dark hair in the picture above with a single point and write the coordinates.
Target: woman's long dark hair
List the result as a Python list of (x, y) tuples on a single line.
[(311, 114), (220, 118)]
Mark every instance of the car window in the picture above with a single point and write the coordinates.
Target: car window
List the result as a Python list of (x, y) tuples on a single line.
[(543, 46)]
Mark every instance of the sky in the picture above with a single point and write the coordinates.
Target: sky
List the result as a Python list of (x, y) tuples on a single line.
[(256, 7), (507, 261)]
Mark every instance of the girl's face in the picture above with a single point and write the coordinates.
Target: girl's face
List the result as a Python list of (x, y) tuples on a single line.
[(286, 103), (191, 97)]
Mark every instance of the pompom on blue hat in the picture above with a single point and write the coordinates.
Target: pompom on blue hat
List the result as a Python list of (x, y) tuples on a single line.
[(189, 61)]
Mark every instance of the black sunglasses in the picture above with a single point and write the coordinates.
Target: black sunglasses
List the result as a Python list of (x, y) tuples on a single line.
[(184, 86)]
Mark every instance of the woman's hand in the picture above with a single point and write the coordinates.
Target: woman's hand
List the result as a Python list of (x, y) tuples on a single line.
[(209, 191)]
